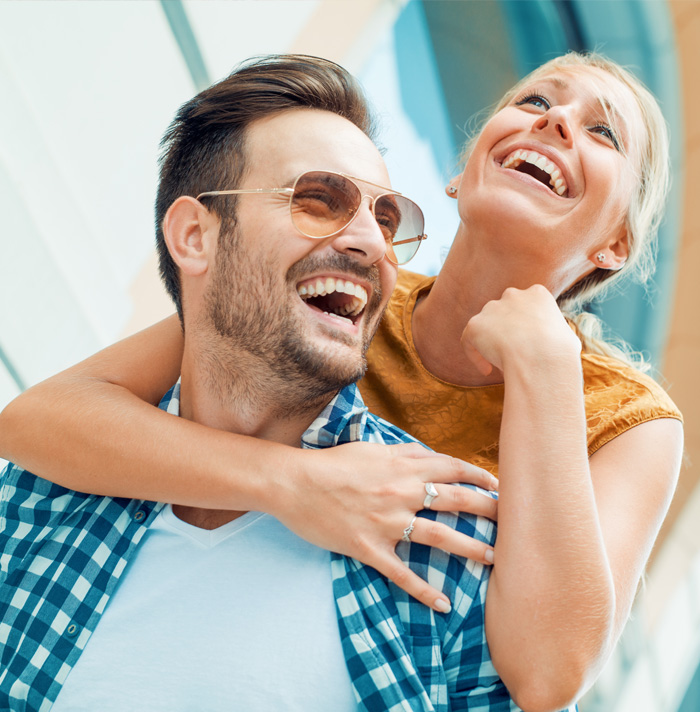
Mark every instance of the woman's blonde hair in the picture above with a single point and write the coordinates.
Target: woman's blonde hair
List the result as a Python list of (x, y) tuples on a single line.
[(646, 204)]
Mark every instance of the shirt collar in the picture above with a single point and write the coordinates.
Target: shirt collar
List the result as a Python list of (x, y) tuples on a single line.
[(343, 420)]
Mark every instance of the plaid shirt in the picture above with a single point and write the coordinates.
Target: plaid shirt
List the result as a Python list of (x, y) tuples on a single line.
[(63, 552)]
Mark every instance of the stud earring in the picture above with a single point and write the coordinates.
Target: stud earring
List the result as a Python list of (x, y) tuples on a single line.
[(600, 257), (452, 190)]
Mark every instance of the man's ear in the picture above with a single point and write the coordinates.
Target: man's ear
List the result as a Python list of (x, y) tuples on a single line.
[(614, 253), (190, 232)]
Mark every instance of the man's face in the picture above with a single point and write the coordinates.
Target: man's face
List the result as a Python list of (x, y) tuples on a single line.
[(262, 270)]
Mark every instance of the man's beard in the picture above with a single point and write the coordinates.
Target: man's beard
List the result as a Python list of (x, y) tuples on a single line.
[(259, 350)]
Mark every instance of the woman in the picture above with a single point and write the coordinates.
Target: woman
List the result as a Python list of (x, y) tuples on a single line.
[(561, 194)]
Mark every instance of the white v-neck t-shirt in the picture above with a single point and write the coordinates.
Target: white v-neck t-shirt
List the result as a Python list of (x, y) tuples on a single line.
[(241, 617)]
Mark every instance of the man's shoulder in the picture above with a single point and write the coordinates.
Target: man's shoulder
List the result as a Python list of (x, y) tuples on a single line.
[(20, 484), (379, 430), (30, 504), (345, 419)]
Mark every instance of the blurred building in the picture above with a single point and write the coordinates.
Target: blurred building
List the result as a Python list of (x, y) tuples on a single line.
[(88, 88)]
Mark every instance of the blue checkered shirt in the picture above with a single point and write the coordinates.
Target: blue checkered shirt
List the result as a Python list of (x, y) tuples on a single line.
[(63, 552)]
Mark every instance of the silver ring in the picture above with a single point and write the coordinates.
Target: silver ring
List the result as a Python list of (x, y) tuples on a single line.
[(430, 494), (408, 531)]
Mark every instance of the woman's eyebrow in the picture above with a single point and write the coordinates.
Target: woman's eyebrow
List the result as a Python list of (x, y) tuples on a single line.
[(558, 82), (610, 110), (617, 119)]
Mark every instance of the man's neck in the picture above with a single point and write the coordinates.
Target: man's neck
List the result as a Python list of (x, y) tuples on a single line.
[(241, 395), (258, 407), (262, 419)]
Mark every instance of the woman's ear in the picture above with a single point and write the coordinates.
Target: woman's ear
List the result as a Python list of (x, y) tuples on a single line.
[(187, 228), (614, 253), (452, 187)]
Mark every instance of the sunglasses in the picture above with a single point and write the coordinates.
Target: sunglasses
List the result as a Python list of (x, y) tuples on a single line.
[(323, 203)]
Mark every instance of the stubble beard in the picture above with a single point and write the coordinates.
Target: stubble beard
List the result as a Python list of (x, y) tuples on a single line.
[(256, 350)]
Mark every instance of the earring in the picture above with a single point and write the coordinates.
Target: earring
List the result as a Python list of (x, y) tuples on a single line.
[(452, 190), (600, 257)]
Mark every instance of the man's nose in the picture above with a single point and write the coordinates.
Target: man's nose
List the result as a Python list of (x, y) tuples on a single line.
[(362, 239)]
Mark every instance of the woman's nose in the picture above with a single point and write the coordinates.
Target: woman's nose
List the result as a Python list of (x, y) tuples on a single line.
[(555, 120)]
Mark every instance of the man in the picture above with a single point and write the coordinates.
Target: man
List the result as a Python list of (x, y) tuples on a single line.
[(280, 270)]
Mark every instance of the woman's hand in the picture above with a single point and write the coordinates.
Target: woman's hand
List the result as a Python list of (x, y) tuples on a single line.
[(523, 326), (357, 499)]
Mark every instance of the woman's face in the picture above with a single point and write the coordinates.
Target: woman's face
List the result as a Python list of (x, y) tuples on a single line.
[(551, 178)]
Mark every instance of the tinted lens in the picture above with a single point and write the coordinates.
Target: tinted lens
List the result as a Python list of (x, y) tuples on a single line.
[(402, 222), (323, 203)]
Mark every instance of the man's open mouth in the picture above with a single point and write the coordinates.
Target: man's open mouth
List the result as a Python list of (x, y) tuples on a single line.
[(540, 168), (341, 298)]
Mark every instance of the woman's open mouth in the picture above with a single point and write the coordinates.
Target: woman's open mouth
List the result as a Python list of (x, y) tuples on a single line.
[(539, 167)]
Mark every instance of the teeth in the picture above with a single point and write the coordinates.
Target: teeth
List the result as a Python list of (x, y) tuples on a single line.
[(322, 287), (337, 316), (556, 180)]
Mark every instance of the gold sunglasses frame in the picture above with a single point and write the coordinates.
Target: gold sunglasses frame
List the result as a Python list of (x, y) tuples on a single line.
[(354, 180)]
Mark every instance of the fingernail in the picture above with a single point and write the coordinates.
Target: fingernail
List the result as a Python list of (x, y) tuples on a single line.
[(494, 483), (489, 555), (443, 605)]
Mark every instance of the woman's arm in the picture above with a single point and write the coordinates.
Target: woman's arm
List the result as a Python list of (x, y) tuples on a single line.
[(574, 535), (94, 428)]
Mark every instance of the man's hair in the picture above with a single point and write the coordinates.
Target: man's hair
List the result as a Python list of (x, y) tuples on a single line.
[(204, 147)]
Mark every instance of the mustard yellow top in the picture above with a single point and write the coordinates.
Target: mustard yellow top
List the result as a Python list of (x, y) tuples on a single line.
[(465, 421)]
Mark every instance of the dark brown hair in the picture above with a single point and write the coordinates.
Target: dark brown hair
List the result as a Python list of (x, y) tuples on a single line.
[(204, 147)]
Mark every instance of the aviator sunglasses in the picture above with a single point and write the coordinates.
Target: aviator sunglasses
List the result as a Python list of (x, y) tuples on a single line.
[(323, 203)]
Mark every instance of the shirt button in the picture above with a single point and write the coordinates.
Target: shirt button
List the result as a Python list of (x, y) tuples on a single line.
[(72, 630), (139, 516)]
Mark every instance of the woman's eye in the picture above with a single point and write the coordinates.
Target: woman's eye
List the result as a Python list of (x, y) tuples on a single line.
[(536, 100), (606, 132)]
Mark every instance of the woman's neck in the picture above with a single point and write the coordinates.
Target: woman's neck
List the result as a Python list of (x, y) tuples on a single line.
[(467, 281)]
